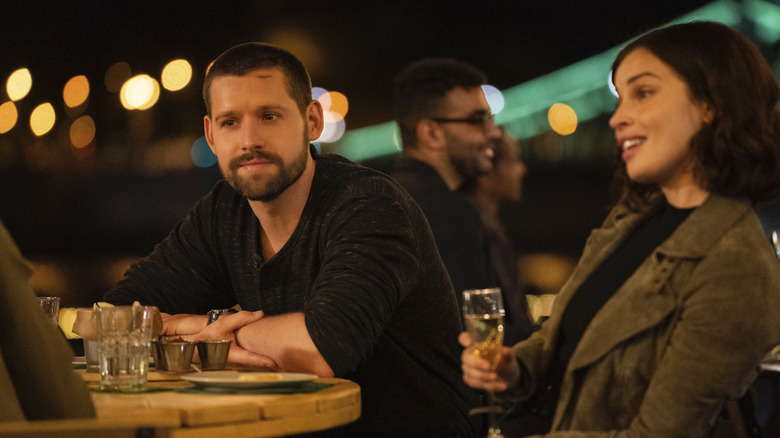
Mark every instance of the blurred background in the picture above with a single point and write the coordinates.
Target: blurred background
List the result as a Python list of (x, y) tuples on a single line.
[(101, 148)]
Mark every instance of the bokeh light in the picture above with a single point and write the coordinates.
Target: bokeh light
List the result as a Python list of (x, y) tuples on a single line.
[(397, 140), (335, 107), (8, 117), (117, 75), (155, 95), (42, 119), (611, 85), (139, 92), (324, 99), (316, 92), (336, 103), (82, 132), (334, 128), (76, 91), (176, 75), (201, 153), (83, 152), (562, 118), (19, 84), (494, 98)]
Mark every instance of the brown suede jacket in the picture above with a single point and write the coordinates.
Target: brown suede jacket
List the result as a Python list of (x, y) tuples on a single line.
[(686, 331)]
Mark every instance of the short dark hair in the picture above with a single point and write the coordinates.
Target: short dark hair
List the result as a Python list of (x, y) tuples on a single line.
[(421, 87), (738, 152), (244, 58)]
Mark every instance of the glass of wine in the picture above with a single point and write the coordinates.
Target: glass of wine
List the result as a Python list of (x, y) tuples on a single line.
[(483, 312)]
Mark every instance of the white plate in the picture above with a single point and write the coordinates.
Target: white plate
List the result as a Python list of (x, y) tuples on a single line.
[(236, 379)]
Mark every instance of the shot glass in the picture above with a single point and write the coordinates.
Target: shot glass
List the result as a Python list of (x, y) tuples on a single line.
[(51, 308), (213, 354), (124, 334), (173, 355)]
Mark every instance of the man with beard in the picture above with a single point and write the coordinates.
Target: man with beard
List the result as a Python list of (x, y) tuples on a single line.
[(333, 263), (448, 133)]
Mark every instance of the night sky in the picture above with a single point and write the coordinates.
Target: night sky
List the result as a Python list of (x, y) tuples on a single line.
[(355, 47)]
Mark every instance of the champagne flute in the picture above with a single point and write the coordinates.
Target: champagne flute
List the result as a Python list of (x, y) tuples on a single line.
[(483, 312)]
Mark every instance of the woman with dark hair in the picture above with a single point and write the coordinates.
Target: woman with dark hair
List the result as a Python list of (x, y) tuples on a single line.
[(676, 298)]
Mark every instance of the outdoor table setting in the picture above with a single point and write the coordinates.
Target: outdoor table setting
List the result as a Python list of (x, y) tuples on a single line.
[(191, 408), (152, 383)]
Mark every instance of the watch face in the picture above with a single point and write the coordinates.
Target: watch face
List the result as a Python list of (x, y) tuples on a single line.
[(216, 313)]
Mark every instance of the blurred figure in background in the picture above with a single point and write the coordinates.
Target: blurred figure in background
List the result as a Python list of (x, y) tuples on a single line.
[(37, 381), (676, 298), (504, 184), (448, 132)]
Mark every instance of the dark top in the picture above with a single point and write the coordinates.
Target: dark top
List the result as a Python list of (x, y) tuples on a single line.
[(456, 224), (609, 277), (517, 323), (362, 267)]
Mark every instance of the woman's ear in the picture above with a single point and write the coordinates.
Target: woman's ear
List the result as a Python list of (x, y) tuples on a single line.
[(707, 112)]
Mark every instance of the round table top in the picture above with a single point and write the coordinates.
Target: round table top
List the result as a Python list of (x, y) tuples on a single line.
[(198, 413)]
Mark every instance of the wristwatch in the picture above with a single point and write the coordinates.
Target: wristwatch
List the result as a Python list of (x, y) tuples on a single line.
[(216, 313)]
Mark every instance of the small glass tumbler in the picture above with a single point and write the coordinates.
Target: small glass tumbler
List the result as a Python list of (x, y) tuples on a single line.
[(92, 355), (51, 308), (213, 354), (125, 335)]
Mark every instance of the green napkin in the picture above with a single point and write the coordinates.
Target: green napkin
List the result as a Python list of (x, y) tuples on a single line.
[(118, 391), (300, 388)]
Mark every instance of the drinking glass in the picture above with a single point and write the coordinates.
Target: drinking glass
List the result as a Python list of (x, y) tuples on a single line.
[(51, 308), (124, 338), (92, 355), (483, 312), (776, 242)]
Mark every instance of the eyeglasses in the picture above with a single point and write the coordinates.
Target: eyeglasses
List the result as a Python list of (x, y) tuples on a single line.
[(483, 119)]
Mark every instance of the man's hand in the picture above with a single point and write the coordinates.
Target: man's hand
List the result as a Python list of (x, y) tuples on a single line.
[(477, 373), (183, 324), (225, 328)]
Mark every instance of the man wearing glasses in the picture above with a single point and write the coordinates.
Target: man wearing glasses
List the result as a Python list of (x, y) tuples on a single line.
[(448, 137)]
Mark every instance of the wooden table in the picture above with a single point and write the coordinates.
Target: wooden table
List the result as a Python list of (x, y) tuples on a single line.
[(185, 415)]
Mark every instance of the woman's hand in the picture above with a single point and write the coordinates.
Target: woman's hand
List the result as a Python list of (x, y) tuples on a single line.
[(477, 373)]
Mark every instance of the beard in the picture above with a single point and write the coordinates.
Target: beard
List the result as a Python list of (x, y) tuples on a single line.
[(266, 187), (465, 158)]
